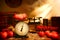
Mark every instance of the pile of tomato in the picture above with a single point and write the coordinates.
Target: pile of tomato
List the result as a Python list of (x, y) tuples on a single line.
[(5, 33), (48, 31)]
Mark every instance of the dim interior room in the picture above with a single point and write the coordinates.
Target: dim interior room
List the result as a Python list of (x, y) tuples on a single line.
[(45, 13)]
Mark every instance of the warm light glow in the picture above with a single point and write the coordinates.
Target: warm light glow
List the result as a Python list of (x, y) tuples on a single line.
[(45, 10), (42, 8), (45, 13), (39, 10), (56, 9), (42, 11)]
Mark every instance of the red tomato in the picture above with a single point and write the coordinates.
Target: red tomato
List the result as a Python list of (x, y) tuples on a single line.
[(47, 32), (38, 27), (54, 32), (10, 33), (45, 27), (18, 16), (3, 34), (48, 28), (51, 28), (55, 36), (41, 33), (15, 16), (24, 15)]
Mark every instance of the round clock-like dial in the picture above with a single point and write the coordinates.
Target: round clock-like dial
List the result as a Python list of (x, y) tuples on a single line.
[(21, 28)]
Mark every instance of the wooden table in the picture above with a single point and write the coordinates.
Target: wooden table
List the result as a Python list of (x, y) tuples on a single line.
[(31, 36)]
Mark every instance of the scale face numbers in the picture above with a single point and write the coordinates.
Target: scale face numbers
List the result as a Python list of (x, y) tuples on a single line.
[(21, 28)]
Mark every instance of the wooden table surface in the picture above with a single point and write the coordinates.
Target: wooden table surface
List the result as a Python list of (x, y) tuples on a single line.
[(31, 36)]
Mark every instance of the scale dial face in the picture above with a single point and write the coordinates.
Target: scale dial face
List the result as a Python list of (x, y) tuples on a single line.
[(21, 28)]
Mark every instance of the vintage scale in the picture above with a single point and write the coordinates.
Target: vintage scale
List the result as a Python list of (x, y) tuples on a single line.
[(21, 29)]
